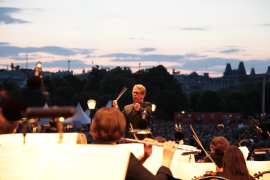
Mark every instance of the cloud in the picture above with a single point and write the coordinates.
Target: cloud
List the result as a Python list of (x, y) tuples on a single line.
[(121, 57), (143, 50), (5, 18), (194, 55), (14, 51), (193, 29), (136, 38), (4, 44), (230, 51), (264, 24), (189, 28), (83, 51)]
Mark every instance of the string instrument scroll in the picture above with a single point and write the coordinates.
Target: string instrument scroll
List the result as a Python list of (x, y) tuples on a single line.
[(259, 174)]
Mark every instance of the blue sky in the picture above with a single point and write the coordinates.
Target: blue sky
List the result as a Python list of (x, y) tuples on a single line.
[(187, 36)]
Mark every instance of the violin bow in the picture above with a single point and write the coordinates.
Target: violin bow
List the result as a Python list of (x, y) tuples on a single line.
[(199, 142)]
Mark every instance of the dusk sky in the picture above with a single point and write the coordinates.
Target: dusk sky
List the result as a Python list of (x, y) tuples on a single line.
[(185, 35)]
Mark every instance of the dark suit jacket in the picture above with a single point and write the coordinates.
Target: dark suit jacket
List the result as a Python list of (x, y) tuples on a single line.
[(132, 116), (136, 171)]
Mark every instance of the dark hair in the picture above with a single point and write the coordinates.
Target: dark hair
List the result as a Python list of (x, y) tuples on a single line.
[(7, 127), (219, 144), (108, 124), (234, 164)]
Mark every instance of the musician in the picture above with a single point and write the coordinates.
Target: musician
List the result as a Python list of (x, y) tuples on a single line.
[(7, 127), (108, 128), (234, 165), (133, 112), (218, 147)]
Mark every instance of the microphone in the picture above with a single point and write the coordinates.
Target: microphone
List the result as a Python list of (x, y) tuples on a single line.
[(33, 82), (265, 135), (15, 108), (12, 108), (49, 113), (254, 121), (257, 128), (142, 124), (179, 135)]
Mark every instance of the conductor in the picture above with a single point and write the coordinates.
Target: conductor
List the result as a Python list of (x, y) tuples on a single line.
[(138, 113)]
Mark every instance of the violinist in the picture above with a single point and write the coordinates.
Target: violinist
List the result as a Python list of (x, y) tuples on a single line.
[(234, 165), (218, 146)]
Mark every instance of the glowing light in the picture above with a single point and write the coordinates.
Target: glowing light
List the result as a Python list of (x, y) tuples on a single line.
[(153, 107), (91, 104)]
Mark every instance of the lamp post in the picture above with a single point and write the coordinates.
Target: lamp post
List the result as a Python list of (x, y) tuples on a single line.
[(91, 105), (153, 107), (152, 117)]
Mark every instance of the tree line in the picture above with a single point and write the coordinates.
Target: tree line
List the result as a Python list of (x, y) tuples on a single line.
[(162, 89)]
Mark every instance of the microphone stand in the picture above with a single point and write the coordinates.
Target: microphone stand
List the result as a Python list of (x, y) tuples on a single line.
[(247, 131), (253, 147), (45, 93)]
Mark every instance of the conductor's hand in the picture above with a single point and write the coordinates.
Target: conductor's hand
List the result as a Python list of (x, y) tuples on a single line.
[(168, 151), (137, 106), (115, 105)]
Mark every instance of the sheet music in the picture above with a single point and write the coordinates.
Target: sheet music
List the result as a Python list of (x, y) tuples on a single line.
[(187, 171), (37, 139), (63, 162), (21, 162), (256, 166)]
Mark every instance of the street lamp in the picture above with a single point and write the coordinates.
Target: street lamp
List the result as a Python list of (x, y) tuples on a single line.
[(91, 105), (152, 117), (153, 107)]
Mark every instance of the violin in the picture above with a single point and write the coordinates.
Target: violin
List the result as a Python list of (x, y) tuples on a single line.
[(210, 173), (201, 160), (259, 174), (262, 149)]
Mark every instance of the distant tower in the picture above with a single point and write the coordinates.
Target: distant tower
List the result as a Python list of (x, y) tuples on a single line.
[(139, 65), (26, 58), (252, 72), (68, 65), (241, 69), (268, 71), (228, 70)]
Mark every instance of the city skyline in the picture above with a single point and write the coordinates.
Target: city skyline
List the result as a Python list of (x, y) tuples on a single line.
[(187, 36)]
